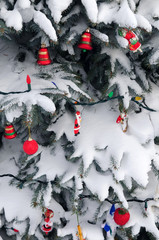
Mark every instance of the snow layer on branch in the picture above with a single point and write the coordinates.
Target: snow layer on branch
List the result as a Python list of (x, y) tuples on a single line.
[(27, 14), (102, 184), (115, 147), (90, 231), (154, 59), (117, 55), (142, 22), (45, 24), (150, 10), (124, 83), (23, 4), (132, 5), (57, 7), (103, 37), (29, 99), (107, 12), (142, 75), (12, 18), (47, 195), (91, 8), (125, 17)]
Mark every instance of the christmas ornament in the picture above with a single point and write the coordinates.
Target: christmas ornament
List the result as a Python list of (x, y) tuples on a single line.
[(15, 230), (138, 99), (112, 210), (123, 119), (28, 80), (121, 216), (80, 234), (134, 44), (48, 223), (77, 124), (85, 41), (49, 213), (106, 227), (110, 94), (30, 146), (43, 56), (9, 131), (47, 226)]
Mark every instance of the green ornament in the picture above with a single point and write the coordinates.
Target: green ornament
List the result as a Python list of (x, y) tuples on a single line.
[(84, 50), (110, 94)]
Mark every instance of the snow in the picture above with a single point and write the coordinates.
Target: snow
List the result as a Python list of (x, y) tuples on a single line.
[(123, 82), (117, 55), (12, 18), (57, 7), (23, 4), (41, 19), (125, 16), (106, 12), (91, 8)]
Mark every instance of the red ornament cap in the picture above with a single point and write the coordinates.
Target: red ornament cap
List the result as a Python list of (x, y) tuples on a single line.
[(30, 146), (49, 213), (121, 216)]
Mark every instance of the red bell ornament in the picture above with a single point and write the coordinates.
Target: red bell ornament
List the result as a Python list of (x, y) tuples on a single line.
[(30, 146), (86, 41), (121, 216), (9, 131), (43, 56)]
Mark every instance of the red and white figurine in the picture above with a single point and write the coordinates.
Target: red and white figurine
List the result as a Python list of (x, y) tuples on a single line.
[(134, 44), (123, 119), (48, 222), (77, 124)]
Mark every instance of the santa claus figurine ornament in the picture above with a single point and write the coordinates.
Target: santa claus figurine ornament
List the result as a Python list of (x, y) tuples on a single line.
[(134, 44), (123, 119), (77, 124), (48, 222)]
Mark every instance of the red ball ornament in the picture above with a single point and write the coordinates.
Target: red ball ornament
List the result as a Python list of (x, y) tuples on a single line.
[(121, 216), (30, 146)]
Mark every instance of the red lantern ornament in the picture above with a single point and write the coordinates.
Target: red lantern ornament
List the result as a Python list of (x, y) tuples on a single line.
[(85, 41), (30, 146), (9, 131), (121, 216), (134, 44), (43, 56)]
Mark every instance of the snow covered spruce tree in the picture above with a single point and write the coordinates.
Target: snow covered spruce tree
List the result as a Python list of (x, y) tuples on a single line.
[(70, 67)]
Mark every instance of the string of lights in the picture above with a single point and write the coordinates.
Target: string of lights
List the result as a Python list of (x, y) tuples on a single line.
[(81, 196)]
